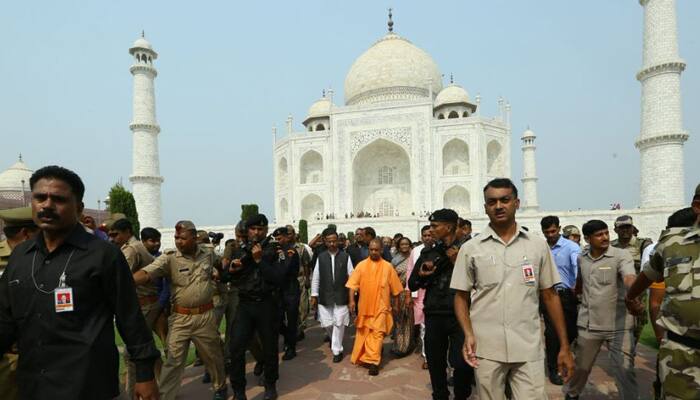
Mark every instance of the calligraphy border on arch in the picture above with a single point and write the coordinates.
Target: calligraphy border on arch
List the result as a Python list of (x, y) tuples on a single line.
[(401, 136)]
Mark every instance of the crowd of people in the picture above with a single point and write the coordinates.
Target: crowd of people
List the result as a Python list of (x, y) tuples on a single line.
[(471, 305)]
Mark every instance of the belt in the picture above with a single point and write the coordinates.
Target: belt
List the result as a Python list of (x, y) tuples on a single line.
[(684, 340), (146, 300), (193, 310)]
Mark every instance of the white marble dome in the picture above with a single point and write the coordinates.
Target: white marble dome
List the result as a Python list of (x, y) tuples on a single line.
[(392, 69), (528, 134), (11, 178), (452, 94), (142, 43), (321, 108)]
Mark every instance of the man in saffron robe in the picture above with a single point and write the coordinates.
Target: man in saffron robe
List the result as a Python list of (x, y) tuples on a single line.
[(377, 282)]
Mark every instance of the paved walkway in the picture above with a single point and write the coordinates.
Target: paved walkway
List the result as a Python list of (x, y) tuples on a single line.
[(312, 375)]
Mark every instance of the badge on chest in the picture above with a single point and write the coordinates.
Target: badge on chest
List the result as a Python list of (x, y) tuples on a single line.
[(528, 272), (63, 296)]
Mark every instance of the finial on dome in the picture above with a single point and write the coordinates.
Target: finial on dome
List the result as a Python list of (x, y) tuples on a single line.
[(452, 78), (20, 157), (391, 22), (143, 33), (323, 93)]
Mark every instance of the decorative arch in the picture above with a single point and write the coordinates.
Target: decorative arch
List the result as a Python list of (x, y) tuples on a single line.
[(284, 210), (382, 179), (282, 171), (312, 207), (453, 114), (455, 158), (457, 198), (311, 167), (320, 127), (441, 116), (494, 159)]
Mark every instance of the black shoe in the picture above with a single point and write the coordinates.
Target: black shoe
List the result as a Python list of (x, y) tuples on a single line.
[(301, 336), (338, 358), (570, 397), (289, 354), (206, 378), (258, 370), (239, 395), (221, 394), (555, 378), (270, 392), (373, 370)]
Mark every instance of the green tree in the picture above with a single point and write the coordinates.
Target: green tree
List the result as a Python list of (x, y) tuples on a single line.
[(122, 201), (303, 231), (248, 210)]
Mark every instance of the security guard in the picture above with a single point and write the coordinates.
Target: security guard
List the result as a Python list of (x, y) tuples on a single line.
[(18, 227), (121, 233), (627, 239), (304, 279), (572, 233), (676, 262), (258, 270), (290, 294), (191, 271)]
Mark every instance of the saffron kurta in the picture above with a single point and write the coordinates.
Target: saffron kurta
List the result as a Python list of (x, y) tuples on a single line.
[(377, 281)]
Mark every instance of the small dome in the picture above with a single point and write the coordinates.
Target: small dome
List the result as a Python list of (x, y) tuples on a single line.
[(321, 108), (393, 68), (528, 134), (452, 94), (142, 43), (11, 179)]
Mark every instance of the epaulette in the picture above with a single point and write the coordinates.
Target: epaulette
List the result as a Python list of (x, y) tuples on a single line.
[(170, 251)]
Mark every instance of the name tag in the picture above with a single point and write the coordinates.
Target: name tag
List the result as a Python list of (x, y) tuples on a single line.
[(528, 274), (63, 299)]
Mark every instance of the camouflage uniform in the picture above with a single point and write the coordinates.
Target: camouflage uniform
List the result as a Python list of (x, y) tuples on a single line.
[(304, 285), (676, 261), (636, 247)]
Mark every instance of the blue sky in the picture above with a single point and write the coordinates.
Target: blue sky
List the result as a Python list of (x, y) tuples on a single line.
[(229, 71)]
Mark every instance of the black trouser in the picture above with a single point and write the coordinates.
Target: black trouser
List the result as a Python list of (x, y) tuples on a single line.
[(261, 317), (289, 318), (551, 340), (444, 338)]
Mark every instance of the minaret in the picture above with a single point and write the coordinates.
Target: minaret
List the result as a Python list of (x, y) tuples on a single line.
[(529, 172), (145, 178), (660, 142)]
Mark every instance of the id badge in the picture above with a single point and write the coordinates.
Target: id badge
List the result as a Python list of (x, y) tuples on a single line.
[(528, 274), (63, 299)]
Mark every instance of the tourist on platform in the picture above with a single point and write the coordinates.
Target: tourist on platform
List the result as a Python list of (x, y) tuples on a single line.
[(403, 312), (191, 271), (377, 281), (417, 296), (70, 352), (328, 291), (444, 337), (565, 254), (606, 273), (500, 277)]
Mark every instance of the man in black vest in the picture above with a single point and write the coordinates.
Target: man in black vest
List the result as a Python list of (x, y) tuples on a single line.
[(328, 291)]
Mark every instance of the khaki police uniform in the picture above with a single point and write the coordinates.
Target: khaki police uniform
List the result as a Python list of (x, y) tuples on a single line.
[(304, 285), (8, 362), (504, 310), (603, 319), (676, 261), (192, 316), (138, 257)]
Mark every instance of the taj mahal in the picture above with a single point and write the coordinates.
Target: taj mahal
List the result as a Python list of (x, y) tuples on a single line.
[(402, 143)]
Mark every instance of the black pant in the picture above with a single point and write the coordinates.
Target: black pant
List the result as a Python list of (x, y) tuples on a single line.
[(252, 317), (289, 317), (444, 338), (551, 340)]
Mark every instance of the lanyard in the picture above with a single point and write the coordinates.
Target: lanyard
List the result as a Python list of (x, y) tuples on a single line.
[(61, 279)]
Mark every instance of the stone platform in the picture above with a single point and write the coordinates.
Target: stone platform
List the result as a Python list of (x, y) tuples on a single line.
[(312, 375)]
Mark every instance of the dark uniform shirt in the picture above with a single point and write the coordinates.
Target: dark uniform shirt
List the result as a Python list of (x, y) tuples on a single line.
[(72, 355), (256, 281)]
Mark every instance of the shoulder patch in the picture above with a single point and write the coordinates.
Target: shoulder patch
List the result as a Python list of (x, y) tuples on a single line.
[(170, 251)]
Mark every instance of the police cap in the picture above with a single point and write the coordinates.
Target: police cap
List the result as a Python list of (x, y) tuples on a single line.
[(623, 220), (282, 230), (256, 220), (444, 215), (17, 217)]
